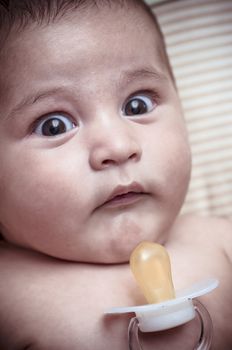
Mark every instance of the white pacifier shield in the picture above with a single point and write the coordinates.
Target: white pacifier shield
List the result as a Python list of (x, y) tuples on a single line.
[(170, 313)]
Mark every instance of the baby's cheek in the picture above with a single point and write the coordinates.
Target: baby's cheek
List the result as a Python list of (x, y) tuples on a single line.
[(177, 152), (30, 202)]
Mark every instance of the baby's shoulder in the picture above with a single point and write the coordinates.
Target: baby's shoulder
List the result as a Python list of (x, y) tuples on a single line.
[(206, 220), (201, 247), (196, 229), (33, 294), (48, 303), (212, 223)]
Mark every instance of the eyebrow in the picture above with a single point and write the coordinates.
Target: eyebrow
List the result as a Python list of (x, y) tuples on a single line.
[(34, 98), (146, 72), (127, 76)]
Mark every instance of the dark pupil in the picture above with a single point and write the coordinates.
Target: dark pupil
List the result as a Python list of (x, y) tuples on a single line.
[(53, 127), (136, 106)]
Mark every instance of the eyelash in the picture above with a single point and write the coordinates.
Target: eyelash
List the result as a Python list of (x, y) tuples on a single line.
[(146, 94), (39, 124), (151, 96)]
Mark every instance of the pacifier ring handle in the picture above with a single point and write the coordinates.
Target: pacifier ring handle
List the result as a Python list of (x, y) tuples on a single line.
[(206, 329), (133, 334), (206, 334)]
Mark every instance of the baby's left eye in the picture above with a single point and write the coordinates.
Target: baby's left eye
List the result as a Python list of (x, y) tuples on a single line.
[(138, 104)]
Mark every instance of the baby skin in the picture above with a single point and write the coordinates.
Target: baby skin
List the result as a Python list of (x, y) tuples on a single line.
[(95, 159)]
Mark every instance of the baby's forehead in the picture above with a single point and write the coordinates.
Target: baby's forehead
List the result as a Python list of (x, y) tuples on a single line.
[(33, 14), (135, 12)]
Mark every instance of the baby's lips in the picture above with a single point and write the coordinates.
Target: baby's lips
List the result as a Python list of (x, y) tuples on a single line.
[(120, 190)]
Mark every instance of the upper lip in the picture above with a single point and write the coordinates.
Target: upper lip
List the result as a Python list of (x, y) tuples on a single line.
[(120, 190)]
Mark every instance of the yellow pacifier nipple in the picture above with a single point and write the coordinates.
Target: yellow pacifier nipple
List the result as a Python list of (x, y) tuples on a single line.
[(151, 267)]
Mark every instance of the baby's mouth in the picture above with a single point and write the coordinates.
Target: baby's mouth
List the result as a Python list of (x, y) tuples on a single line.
[(123, 196)]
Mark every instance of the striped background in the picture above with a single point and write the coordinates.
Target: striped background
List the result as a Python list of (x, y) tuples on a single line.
[(198, 35)]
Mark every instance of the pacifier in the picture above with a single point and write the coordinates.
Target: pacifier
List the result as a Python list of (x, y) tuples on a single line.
[(166, 307)]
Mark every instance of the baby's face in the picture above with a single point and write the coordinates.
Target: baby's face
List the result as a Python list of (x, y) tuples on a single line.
[(93, 150)]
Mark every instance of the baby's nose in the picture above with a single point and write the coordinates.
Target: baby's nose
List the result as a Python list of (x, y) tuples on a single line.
[(115, 146)]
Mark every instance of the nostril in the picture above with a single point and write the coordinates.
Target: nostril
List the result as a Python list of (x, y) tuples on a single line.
[(119, 159), (133, 156), (107, 162)]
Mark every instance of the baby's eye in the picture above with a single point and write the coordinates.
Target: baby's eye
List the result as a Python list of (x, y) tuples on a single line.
[(139, 104), (53, 125)]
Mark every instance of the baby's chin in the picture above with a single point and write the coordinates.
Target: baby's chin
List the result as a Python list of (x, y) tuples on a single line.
[(109, 250), (116, 254), (101, 257), (110, 259)]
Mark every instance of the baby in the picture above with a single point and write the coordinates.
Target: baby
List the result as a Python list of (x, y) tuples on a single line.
[(94, 159)]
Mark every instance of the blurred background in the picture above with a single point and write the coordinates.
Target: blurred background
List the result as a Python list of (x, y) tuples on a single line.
[(198, 35)]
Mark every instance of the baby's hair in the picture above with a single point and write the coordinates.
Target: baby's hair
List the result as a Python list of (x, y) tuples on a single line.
[(18, 14), (26, 11)]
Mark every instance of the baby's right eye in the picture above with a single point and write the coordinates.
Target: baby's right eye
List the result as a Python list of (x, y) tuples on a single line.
[(53, 125)]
